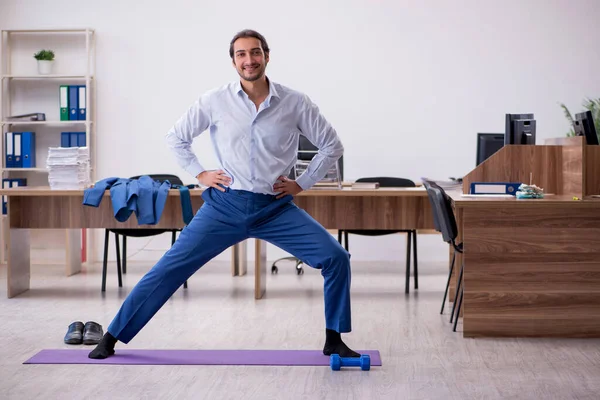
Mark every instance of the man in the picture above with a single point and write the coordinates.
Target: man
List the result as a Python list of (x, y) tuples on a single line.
[(254, 125)]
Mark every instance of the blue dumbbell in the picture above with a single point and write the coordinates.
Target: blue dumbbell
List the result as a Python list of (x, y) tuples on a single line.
[(336, 362)]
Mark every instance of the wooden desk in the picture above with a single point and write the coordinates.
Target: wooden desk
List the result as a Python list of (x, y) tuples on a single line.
[(531, 267), (383, 208), (42, 208)]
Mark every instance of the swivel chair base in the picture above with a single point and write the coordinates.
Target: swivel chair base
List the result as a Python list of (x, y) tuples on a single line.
[(299, 269)]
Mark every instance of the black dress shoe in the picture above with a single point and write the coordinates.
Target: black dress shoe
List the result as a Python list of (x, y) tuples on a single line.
[(92, 333), (74, 333)]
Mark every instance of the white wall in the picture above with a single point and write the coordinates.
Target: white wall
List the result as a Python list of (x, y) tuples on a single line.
[(407, 84)]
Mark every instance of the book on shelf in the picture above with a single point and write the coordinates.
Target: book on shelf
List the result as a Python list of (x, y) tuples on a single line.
[(27, 117), (19, 150), (72, 102), (9, 183)]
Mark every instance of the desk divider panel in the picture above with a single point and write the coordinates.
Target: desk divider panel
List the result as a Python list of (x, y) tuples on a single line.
[(559, 167)]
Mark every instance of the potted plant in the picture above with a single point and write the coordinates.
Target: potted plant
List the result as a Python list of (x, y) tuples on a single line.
[(45, 59), (592, 105)]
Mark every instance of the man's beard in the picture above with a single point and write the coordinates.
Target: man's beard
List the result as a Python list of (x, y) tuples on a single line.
[(260, 71)]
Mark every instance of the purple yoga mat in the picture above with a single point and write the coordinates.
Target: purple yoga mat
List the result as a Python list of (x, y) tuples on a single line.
[(194, 357)]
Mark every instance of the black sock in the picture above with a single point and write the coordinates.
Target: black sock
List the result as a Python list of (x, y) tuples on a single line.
[(335, 345), (105, 348)]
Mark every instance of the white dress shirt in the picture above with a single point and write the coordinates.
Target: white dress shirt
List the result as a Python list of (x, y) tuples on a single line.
[(255, 147)]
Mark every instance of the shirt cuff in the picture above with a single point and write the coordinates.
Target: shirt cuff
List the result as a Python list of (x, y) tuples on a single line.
[(195, 169), (305, 181)]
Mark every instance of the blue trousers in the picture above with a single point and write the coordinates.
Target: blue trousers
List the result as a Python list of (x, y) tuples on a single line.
[(225, 219)]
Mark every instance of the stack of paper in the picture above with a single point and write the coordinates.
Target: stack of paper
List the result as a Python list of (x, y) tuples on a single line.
[(68, 167)]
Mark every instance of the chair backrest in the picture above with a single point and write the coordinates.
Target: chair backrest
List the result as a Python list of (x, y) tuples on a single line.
[(447, 220), (385, 181), (174, 179), (305, 153), (434, 210)]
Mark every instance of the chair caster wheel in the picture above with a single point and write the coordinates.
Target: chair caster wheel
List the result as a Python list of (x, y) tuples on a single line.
[(274, 269)]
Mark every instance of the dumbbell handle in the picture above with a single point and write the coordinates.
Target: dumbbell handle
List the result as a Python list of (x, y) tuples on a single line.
[(350, 361)]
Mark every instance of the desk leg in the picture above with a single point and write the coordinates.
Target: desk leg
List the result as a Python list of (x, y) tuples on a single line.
[(4, 240), (458, 212), (19, 262), (73, 251), (239, 259), (260, 269)]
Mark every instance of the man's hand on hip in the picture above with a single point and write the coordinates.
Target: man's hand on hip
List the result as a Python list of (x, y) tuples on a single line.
[(286, 186), (214, 179)]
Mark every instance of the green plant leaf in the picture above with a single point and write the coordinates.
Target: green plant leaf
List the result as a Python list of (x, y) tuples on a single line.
[(568, 115), (588, 104), (592, 105), (46, 55)]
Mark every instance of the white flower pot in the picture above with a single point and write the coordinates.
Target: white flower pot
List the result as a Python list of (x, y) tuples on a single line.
[(45, 67)]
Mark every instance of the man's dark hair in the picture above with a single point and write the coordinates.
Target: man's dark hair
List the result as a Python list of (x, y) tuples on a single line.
[(246, 33)]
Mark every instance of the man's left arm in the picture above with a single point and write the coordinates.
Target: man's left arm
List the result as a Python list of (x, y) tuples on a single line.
[(319, 132)]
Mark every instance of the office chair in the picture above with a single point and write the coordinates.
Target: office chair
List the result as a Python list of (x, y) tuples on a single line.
[(305, 149), (135, 233), (411, 233), (449, 230), (436, 224)]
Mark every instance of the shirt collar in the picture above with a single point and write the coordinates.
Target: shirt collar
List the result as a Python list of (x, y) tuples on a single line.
[(272, 90), (238, 87)]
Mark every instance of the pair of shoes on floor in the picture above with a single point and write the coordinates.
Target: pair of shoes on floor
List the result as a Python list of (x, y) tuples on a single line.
[(78, 333)]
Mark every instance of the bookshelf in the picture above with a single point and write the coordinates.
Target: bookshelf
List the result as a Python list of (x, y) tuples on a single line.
[(23, 90), (51, 76), (65, 123)]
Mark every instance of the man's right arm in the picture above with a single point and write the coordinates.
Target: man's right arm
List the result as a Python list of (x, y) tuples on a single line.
[(180, 137)]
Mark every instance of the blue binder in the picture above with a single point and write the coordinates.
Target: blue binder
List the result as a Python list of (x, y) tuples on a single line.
[(28, 149), (495, 188), (65, 139), (73, 102), (5, 185), (8, 183), (72, 139), (17, 149), (9, 150), (81, 103), (81, 139)]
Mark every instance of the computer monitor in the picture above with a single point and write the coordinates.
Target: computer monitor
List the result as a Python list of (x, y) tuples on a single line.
[(519, 129), (488, 144), (584, 126), (306, 150)]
